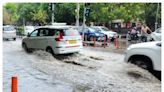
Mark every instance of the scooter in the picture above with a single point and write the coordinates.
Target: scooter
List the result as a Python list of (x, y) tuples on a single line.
[(134, 36)]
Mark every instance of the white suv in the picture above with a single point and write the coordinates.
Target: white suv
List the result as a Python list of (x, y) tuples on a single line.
[(53, 39), (156, 35), (145, 55)]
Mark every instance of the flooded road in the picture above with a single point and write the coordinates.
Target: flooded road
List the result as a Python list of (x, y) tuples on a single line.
[(91, 70)]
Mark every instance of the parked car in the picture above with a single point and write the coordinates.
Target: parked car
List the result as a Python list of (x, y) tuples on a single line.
[(146, 55), (109, 33), (53, 39), (156, 35), (28, 29), (90, 34), (9, 32)]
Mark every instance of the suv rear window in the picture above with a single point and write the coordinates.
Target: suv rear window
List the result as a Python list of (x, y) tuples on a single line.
[(8, 29), (71, 32)]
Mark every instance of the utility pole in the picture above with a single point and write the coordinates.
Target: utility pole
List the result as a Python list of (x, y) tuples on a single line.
[(156, 23), (24, 25), (84, 19), (77, 14), (53, 10)]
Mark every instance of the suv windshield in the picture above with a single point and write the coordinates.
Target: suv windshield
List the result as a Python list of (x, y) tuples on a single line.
[(8, 29), (97, 29), (105, 29)]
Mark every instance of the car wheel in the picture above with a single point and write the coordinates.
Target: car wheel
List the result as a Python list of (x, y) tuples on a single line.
[(152, 39), (14, 39), (25, 47), (91, 38), (142, 63), (85, 38), (49, 50), (106, 37)]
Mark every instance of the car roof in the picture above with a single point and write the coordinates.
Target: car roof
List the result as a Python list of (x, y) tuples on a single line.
[(54, 27), (97, 26)]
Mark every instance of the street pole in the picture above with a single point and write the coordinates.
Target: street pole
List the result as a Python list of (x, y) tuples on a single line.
[(24, 25), (52, 16), (77, 14), (156, 23), (84, 19), (23, 22)]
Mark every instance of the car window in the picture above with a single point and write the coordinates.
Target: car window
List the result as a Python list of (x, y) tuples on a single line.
[(51, 32), (86, 30), (97, 29), (92, 30), (105, 29), (34, 33), (71, 32), (43, 32), (8, 28)]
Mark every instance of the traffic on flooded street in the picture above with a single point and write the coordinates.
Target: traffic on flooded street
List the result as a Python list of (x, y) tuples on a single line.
[(81, 47)]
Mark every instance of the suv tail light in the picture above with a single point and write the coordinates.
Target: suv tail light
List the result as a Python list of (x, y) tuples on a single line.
[(60, 36)]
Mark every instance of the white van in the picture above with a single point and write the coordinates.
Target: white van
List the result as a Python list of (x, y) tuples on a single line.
[(54, 39), (9, 32)]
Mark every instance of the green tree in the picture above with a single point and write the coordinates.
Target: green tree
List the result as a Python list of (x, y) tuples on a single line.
[(10, 13), (65, 13), (39, 16), (150, 14)]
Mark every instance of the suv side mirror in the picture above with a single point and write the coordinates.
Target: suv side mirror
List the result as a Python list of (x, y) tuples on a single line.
[(28, 34)]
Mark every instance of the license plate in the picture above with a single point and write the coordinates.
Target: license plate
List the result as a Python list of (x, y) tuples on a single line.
[(72, 41)]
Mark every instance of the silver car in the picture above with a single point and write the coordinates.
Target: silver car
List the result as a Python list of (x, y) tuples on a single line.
[(53, 39), (9, 32)]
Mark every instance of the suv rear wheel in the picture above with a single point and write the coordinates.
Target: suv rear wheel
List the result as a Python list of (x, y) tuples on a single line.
[(49, 50)]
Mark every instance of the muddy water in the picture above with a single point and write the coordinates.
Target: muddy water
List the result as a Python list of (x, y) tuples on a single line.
[(91, 71), (88, 71)]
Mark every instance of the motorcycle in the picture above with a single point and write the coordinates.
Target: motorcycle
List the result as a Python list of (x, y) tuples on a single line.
[(133, 36)]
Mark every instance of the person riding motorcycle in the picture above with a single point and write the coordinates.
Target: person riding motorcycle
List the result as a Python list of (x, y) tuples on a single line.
[(133, 34)]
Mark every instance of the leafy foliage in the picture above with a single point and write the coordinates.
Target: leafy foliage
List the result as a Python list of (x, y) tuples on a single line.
[(33, 13)]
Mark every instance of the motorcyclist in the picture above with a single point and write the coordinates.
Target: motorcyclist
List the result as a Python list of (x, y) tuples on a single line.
[(134, 33)]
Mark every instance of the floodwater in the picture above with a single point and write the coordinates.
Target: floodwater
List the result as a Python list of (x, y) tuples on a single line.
[(91, 70)]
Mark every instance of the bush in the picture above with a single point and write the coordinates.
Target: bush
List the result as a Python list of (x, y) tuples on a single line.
[(20, 30)]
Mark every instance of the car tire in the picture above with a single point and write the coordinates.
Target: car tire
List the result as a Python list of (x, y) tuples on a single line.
[(152, 39), (143, 63), (49, 50), (14, 39), (26, 48), (85, 38), (106, 38), (91, 38)]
